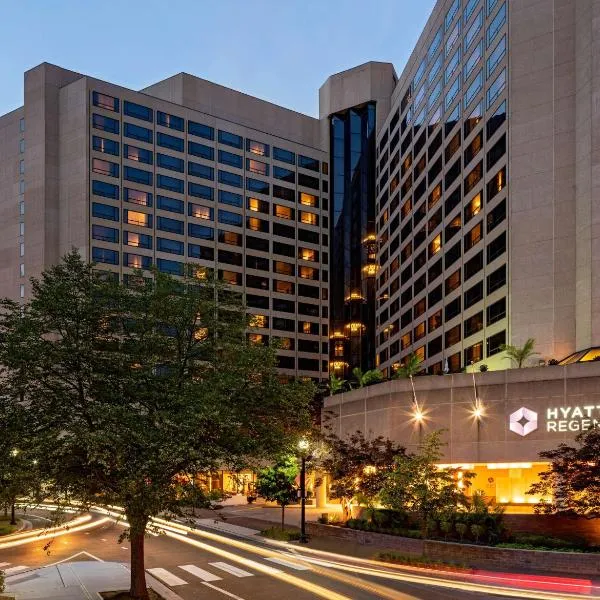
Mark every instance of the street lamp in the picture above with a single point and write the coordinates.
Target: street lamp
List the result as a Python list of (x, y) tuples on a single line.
[(303, 446)]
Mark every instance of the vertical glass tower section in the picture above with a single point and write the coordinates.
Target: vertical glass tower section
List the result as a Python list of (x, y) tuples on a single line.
[(353, 240)]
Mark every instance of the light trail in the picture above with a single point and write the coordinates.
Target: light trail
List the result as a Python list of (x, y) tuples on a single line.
[(79, 524)]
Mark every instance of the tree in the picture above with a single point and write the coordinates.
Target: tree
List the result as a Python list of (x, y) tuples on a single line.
[(519, 354), (571, 486), (277, 483), (357, 468), (415, 484), (129, 386)]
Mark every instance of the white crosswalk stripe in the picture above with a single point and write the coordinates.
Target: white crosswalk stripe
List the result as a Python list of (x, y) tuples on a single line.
[(15, 569), (201, 573), (231, 569), (166, 577), (289, 563), (4, 565)]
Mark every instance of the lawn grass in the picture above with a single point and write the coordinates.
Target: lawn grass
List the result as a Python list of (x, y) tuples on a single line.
[(284, 535)]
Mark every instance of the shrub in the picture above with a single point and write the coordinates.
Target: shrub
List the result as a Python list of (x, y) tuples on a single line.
[(419, 561), (552, 362), (483, 368), (276, 533), (547, 541), (461, 529)]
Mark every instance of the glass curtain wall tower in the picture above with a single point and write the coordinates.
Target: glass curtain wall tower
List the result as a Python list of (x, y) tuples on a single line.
[(353, 240)]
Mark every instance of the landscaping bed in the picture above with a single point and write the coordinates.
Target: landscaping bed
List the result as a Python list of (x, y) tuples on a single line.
[(125, 595)]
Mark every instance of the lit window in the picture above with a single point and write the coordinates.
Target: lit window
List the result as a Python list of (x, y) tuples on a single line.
[(435, 245), (309, 218), (308, 199), (308, 272), (105, 167), (307, 254), (305, 327), (141, 219), (105, 101), (473, 208), (257, 166), (283, 287), (283, 212), (200, 212), (257, 148)]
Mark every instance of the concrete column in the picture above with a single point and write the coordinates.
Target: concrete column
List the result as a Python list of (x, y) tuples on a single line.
[(321, 490)]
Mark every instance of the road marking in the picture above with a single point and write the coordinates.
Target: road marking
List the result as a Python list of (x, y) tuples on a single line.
[(15, 569), (231, 569), (288, 563), (218, 589), (201, 573), (124, 548), (4, 565), (166, 577)]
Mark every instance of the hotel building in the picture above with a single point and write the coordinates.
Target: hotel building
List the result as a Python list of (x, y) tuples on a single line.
[(443, 212)]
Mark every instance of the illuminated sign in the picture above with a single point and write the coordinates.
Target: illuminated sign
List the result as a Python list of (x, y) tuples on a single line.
[(572, 418), (523, 421)]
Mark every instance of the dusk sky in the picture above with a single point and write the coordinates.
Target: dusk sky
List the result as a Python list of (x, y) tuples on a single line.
[(281, 51)]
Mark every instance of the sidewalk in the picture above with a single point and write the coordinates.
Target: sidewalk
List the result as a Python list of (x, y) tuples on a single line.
[(77, 581)]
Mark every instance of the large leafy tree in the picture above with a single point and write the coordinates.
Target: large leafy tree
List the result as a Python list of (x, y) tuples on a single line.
[(417, 485), (357, 467), (571, 486), (277, 483), (130, 386)]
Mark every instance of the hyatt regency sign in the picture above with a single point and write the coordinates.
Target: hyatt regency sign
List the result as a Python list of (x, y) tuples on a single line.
[(562, 419)]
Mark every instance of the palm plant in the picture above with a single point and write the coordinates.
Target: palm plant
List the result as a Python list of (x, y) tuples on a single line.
[(410, 367), (519, 355), (358, 375), (368, 377), (336, 384)]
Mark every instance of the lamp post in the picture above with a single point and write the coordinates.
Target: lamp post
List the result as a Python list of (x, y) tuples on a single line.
[(303, 446)]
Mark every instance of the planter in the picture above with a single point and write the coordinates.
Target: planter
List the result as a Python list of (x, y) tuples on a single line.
[(487, 557)]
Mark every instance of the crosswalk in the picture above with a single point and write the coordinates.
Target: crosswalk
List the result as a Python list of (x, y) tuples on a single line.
[(8, 570), (216, 571)]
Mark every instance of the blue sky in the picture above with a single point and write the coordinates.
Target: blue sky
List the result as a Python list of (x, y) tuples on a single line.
[(279, 50)]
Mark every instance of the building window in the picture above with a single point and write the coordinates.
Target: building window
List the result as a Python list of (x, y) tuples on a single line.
[(104, 211), (105, 234), (496, 248), (230, 218), (22, 270), (452, 66), (21, 249), (200, 130), (257, 148), (169, 246), (172, 267), (474, 353), (137, 175), (473, 208), (473, 148), (137, 240), (496, 280), (201, 150), (452, 336), (104, 255), (473, 119), (107, 190), (473, 324), (474, 88), (308, 218), (232, 179), (495, 343), (496, 120), (452, 11), (496, 24), (257, 186), (201, 171), (496, 184), (230, 277), (474, 177), (170, 141), (231, 139), (496, 56), (200, 191), (170, 225), (308, 163), (473, 237), (255, 224), (285, 156), (496, 312), (172, 163), (473, 295), (201, 252), (496, 152), (170, 183), (200, 212), (138, 154), (105, 167), (143, 134), (231, 159), (283, 212), (201, 231), (141, 219), (474, 30), (496, 88), (452, 38), (104, 145), (137, 197), (131, 109), (257, 166), (105, 123), (170, 204), (257, 205), (105, 101), (170, 121), (21, 125), (452, 92)]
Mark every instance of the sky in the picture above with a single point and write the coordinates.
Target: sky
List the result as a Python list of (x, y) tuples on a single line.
[(278, 50)]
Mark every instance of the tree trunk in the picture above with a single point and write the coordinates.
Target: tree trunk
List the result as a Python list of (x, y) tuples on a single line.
[(138, 573), (282, 517), (13, 520)]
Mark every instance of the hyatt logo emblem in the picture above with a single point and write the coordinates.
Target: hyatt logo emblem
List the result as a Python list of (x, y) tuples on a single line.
[(523, 421)]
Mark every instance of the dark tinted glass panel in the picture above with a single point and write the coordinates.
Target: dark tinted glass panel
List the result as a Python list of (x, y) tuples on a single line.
[(202, 171), (202, 252), (231, 139), (170, 121), (105, 234), (104, 211), (105, 101), (170, 204), (138, 133), (140, 155), (201, 150), (308, 181), (255, 185), (169, 246), (170, 162), (138, 111), (104, 255), (308, 163), (201, 231), (105, 145), (255, 243), (171, 225), (230, 218), (105, 123), (200, 191), (108, 190), (170, 183), (284, 155), (172, 267), (232, 179), (170, 141), (230, 198), (200, 130)]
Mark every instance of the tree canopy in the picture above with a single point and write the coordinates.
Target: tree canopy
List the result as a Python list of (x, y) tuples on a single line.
[(571, 486), (128, 386), (277, 483), (357, 467)]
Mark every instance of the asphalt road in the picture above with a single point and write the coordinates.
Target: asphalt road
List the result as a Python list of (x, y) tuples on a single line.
[(210, 565)]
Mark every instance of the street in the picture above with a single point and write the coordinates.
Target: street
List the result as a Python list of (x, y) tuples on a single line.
[(208, 564)]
